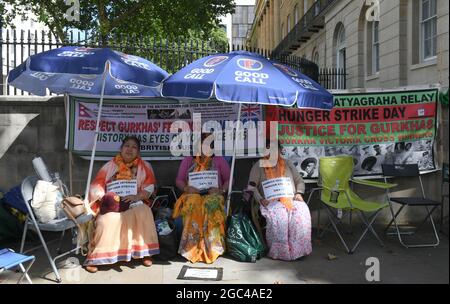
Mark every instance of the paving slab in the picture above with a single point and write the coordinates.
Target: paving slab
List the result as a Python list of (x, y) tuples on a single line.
[(328, 264)]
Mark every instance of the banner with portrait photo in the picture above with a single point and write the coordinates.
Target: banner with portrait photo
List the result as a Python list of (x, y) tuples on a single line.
[(374, 127), (148, 119)]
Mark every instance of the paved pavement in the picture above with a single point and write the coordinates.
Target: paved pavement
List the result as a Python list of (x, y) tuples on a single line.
[(397, 265)]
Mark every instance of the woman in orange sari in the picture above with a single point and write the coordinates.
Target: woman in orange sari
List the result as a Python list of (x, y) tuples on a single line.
[(124, 225), (202, 207)]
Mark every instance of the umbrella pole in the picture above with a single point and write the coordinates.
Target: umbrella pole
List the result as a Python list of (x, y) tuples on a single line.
[(66, 105), (97, 127), (233, 160), (70, 172)]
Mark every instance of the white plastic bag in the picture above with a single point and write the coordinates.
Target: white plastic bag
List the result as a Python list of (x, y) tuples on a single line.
[(45, 198)]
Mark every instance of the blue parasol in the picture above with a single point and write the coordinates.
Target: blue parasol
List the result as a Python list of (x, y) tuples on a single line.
[(245, 77), (98, 72)]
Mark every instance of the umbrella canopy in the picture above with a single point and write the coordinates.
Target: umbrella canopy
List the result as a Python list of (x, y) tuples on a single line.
[(80, 70), (246, 77), (97, 72)]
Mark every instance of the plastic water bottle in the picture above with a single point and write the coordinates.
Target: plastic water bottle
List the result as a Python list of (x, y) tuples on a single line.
[(74, 236), (335, 193), (57, 182), (334, 198), (60, 214)]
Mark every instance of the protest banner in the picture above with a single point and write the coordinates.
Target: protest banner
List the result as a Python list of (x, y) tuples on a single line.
[(373, 127), (148, 119)]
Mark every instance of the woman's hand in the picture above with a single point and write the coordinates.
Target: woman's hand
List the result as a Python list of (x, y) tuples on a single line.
[(264, 202), (215, 190), (131, 198), (191, 190), (298, 197)]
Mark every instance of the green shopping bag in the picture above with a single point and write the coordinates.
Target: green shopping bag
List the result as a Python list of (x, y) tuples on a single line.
[(243, 242)]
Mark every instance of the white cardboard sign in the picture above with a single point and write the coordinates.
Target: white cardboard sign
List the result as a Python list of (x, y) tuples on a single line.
[(276, 188), (201, 273), (204, 179), (122, 187)]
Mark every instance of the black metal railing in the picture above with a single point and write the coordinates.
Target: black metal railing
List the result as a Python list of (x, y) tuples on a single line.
[(329, 78), (300, 64), (311, 22), (333, 79), (17, 46)]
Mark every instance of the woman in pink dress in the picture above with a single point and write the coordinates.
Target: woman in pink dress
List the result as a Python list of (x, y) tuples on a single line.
[(288, 229), (202, 210)]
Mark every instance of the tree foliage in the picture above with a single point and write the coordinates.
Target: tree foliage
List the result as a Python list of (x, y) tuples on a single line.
[(106, 18)]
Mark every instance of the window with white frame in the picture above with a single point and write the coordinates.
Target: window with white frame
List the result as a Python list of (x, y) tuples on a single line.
[(340, 47), (288, 27), (315, 57), (375, 47), (250, 14), (316, 8), (428, 29), (296, 14), (242, 30)]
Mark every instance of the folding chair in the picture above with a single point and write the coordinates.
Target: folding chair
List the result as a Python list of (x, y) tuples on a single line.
[(443, 195), (335, 174), (164, 194), (9, 259), (27, 188), (392, 171), (258, 219)]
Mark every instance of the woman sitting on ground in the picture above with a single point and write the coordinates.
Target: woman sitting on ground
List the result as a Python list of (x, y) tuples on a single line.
[(288, 228), (203, 180), (124, 226)]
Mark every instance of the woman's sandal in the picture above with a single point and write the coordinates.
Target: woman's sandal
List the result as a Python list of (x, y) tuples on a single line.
[(147, 262), (92, 269)]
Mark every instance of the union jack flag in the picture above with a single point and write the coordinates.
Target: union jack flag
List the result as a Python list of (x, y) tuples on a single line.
[(250, 112)]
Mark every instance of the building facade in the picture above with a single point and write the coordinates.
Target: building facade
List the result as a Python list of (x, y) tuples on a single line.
[(241, 22), (407, 45)]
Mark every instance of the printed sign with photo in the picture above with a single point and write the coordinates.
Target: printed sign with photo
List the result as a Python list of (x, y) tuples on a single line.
[(397, 127)]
